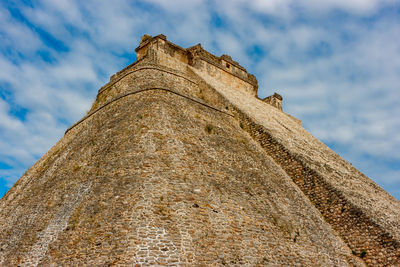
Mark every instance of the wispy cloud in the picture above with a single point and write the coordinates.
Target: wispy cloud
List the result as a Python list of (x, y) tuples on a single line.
[(336, 63)]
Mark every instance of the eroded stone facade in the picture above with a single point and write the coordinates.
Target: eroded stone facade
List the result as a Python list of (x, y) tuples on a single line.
[(178, 163)]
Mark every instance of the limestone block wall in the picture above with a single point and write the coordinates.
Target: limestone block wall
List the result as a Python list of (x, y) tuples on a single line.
[(144, 183), (365, 237), (375, 243), (223, 65), (223, 76), (170, 55), (191, 71), (178, 163)]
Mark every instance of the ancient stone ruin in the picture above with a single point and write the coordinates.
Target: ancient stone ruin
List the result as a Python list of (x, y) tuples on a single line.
[(179, 163)]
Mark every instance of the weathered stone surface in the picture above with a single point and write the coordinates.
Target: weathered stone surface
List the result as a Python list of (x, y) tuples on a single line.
[(179, 164)]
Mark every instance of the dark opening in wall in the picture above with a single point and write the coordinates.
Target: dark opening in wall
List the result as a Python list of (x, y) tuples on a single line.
[(227, 65)]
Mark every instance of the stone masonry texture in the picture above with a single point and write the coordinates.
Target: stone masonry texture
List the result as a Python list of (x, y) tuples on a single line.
[(178, 163)]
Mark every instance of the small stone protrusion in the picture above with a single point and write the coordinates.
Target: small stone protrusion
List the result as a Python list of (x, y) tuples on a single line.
[(274, 100), (145, 38)]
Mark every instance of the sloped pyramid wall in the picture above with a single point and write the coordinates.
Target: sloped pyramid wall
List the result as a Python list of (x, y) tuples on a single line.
[(166, 170)]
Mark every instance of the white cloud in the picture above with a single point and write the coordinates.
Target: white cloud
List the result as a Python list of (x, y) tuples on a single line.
[(287, 8), (178, 6), (6, 121), (16, 35)]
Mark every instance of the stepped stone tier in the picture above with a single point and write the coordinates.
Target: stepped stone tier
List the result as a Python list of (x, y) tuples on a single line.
[(179, 163)]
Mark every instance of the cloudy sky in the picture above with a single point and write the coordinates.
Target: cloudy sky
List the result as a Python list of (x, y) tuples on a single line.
[(335, 62)]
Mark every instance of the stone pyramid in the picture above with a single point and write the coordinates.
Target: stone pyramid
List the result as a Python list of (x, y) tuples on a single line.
[(179, 163)]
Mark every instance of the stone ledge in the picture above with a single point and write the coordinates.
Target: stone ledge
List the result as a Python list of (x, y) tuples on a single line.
[(198, 101), (128, 70)]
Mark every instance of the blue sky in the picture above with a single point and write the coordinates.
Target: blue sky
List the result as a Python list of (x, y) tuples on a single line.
[(335, 62)]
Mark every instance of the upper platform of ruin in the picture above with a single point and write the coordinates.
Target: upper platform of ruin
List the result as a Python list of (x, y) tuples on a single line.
[(161, 52), (193, 55)]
